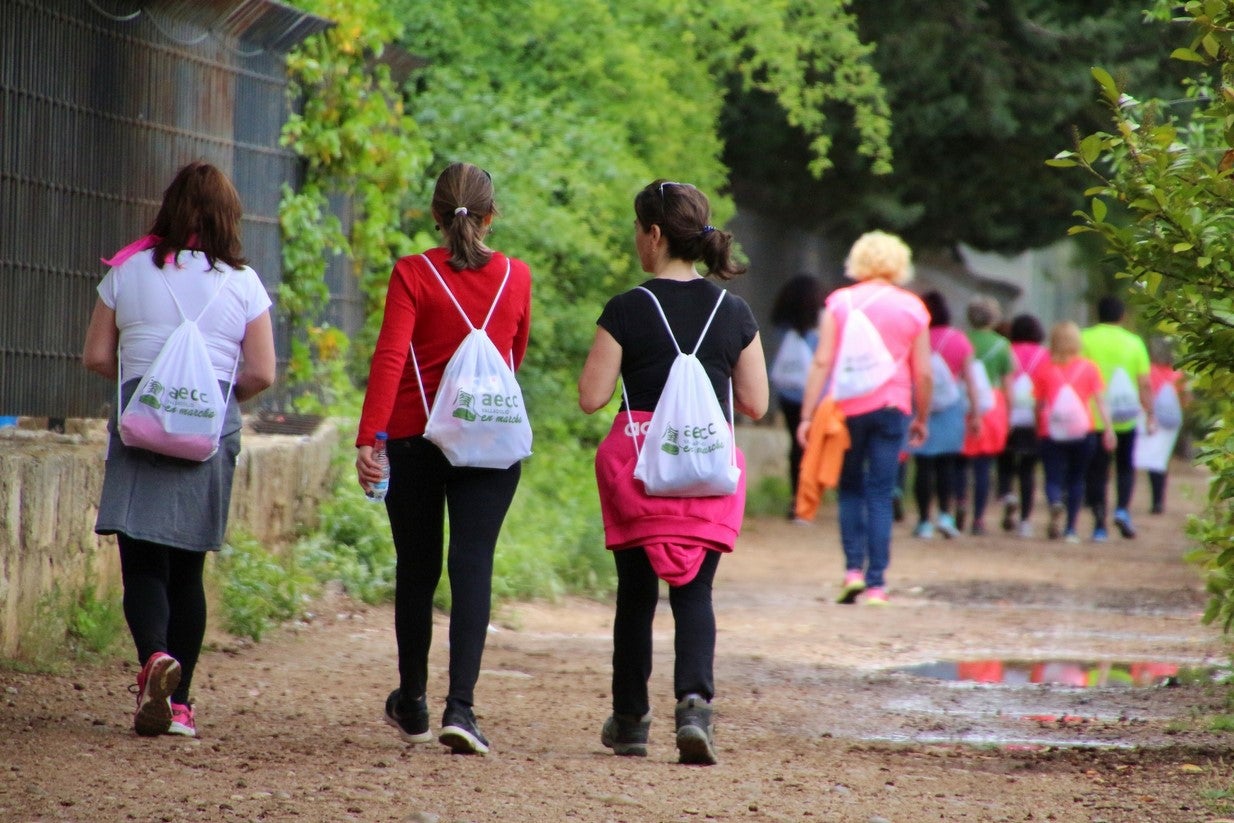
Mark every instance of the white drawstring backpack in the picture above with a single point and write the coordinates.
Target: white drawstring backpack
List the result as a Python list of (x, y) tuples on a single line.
[(478, 418), (178, 409), (863, 361), (1067, 417), (689, 449)]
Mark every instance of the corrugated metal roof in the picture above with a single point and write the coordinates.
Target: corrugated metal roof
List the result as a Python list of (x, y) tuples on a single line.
[(272, 25)]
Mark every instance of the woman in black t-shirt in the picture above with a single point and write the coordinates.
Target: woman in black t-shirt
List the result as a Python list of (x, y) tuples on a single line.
[(675, 539)]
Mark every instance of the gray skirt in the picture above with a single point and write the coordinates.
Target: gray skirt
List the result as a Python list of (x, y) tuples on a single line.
[(178, 503)]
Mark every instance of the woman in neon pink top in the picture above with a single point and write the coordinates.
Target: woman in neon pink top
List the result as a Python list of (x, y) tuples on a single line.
[(878, 420), (1067, 441)]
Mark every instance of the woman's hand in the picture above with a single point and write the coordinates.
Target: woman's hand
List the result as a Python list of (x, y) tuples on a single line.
[(918, 430), (803, 432), (367, 470), (1109, 439)]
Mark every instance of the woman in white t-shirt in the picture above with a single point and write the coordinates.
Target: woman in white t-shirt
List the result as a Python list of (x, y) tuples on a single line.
[(167, 513)]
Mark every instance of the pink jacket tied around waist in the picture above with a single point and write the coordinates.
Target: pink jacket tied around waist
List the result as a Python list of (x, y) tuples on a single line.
[(674, 531)]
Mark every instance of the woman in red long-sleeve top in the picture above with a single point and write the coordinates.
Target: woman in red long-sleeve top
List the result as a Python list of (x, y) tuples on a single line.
[(420, 315)]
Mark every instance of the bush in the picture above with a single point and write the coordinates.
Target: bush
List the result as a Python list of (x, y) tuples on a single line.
[(258, 590)]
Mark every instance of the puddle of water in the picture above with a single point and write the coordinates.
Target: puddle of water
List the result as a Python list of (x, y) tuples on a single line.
[(1056, 672), (1002, 741)]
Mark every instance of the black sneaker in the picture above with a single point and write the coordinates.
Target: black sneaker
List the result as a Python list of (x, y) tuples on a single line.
[(460, 732), (626, 734), (412, 724), (694, 732)]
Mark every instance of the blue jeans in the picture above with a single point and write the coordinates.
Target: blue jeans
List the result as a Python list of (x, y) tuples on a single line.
[(867, 484), (1065, 463)]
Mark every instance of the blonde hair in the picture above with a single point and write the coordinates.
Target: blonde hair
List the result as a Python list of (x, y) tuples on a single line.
[(882, 255), (1064, 340)]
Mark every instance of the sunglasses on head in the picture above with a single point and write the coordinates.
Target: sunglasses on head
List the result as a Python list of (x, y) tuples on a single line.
[(671, 183)]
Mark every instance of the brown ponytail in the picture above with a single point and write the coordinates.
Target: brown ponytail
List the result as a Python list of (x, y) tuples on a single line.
[(462, 199), (682, 213)]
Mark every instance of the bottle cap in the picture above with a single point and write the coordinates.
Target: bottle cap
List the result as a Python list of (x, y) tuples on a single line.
[(382, 435)]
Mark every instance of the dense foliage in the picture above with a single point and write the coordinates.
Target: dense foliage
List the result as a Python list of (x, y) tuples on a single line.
[(1161, 201), (981, 94)]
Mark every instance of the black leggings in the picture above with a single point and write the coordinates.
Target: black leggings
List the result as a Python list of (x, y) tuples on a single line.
[(164, 604), (423, 485), (694, 644), (935, 478), (792, 418), (1098, 477), (1018, 468)]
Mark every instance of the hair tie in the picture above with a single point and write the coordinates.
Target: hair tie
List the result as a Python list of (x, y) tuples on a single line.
[(707, 230), (460, 210)]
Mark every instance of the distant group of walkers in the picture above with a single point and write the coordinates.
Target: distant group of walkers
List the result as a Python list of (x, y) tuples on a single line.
[(995, 404), (877, 363)]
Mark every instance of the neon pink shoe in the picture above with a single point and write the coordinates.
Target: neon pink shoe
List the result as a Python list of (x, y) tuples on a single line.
[(854, 584), (876, 596), (182, 721), (155, 683)]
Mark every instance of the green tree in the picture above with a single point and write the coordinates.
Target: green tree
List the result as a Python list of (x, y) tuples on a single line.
[(1161, 202), (356, 142), (981, 95)]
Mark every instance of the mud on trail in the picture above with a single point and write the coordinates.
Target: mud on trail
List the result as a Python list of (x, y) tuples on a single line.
[(823, 712)]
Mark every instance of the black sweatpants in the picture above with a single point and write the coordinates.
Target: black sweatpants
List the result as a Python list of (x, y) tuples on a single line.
[(423, 487), (694, 643)]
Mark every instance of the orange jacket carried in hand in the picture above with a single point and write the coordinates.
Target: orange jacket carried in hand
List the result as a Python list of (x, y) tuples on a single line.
[(823, 457)]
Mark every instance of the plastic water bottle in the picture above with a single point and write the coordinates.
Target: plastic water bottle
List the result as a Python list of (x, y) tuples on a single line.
[(377, 491)]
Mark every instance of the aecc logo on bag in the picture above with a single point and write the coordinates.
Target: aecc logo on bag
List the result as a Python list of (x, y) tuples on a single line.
[(691, 439), (491, 408), (154, 392), (671, 441)]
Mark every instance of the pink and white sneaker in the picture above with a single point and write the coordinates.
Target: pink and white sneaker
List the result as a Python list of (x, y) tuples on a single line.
[(182, 722), (854, 584), (876, 596), (155, 683)]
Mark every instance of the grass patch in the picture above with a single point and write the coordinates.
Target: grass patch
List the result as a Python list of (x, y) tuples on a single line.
[(72, 626), (767, 496), (259, 590)]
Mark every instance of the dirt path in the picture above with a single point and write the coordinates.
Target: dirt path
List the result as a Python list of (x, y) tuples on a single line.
[(813, 720)]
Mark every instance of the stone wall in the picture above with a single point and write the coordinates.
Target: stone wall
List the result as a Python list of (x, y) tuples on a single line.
[(49, 491)]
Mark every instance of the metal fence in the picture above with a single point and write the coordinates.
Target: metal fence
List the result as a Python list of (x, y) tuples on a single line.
[(101, 101)]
